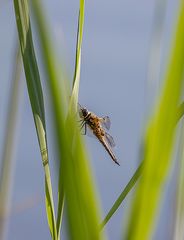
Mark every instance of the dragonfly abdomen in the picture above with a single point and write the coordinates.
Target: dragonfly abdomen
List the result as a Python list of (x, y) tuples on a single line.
[(109, 151)]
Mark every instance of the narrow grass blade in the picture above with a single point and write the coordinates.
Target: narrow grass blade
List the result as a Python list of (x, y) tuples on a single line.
[(76, 79), (61, 198), (81, 204), (123, 195), (8, 156), (36, 99), (159, 144)]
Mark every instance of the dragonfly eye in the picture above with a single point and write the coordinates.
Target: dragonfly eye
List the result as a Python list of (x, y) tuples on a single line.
[(84, 112)]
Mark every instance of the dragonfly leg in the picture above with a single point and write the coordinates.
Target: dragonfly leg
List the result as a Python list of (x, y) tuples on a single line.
[(82, 125), (85, 128)]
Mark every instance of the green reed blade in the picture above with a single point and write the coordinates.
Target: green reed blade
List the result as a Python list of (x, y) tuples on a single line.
[(36, 99), (76, 78)]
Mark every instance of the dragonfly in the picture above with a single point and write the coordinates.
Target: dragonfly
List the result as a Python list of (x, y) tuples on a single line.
[(98, 126)]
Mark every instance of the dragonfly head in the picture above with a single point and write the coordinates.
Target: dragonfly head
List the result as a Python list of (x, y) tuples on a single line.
[(83, 112)]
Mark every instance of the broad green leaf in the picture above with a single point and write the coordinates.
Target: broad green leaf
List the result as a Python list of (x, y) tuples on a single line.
[(73, 100), (81, 204), (159, 143), (36, 99)]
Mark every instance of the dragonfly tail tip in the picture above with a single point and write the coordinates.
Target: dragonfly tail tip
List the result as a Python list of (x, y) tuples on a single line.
[(117, 162)]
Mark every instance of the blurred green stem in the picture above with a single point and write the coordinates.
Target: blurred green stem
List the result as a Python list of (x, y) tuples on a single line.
[(8, 157)]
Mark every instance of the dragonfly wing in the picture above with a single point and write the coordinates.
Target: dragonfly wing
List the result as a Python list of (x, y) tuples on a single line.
[(110, 140), (106, 122), (80, 110), (89, 132)]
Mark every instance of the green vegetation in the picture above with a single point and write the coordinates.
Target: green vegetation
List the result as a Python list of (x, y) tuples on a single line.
[(76, 189)]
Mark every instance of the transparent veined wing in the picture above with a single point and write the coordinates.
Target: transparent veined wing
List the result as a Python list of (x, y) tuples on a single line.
[(80, 110), (106, 122), (110, 140)]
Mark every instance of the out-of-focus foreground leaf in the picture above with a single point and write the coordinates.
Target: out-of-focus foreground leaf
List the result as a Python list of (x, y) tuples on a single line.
[(134, 179), (178, 219), (153, 75), (159, 143), (81, 204), (9, 143), (36, 99), (73, 101)]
